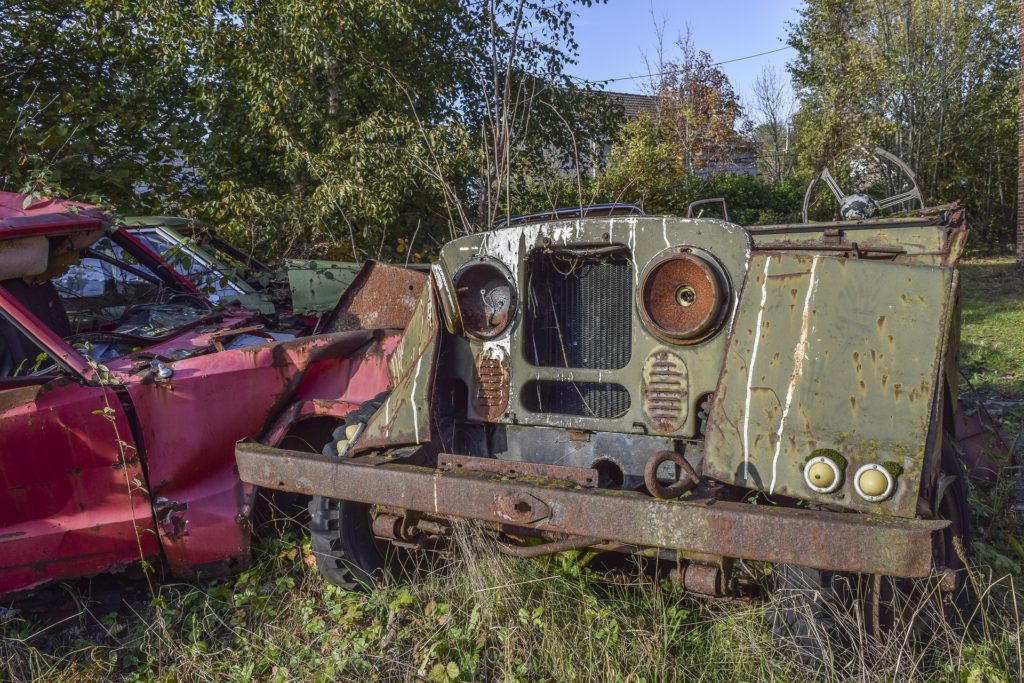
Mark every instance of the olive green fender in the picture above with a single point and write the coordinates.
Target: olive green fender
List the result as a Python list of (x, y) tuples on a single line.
[(838, 358)]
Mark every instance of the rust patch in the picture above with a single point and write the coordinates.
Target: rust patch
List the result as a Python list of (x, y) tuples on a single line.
[(492, 385), (20, 396), (665, 391), (380, 297), (586, 478), (681, 297)]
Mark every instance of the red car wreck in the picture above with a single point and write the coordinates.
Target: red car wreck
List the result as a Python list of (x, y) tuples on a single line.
[(123, 392)]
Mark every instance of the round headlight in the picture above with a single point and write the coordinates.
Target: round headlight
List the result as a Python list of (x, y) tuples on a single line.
[(822, 474), (873, 483), (486, 297), (682, 296)]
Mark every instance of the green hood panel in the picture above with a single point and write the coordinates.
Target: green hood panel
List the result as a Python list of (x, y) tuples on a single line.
[(831, 353)]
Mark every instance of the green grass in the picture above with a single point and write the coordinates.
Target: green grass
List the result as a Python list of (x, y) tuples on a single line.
[(992, 332), (478, 615)]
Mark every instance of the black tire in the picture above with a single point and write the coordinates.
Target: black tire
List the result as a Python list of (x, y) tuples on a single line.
[(347, 554), (802, 614)]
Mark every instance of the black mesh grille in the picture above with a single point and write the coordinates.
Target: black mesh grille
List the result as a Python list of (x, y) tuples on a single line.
[(586, 399), (578, 314), (579, 310)]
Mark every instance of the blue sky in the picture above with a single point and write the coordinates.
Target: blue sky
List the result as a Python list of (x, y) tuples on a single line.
[(613, 36)]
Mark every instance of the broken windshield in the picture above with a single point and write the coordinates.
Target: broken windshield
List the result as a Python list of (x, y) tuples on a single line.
[(109, 290)]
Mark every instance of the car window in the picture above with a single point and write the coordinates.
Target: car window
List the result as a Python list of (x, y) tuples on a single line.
[(197, 269), (20, 356), (97, 291)]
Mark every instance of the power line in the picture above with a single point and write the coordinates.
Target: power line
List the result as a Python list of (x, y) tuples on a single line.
[(671, 71)]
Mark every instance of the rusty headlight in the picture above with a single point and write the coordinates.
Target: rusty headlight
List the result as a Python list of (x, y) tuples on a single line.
[(487, 298), (683, 296)]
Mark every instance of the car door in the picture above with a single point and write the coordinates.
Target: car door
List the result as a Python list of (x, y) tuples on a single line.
[(73, 498)]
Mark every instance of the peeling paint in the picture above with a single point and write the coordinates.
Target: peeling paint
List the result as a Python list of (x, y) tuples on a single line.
[(798, 369), (750, 372)]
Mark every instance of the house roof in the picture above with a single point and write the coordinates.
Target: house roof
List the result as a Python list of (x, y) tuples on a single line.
[(45, 216), (634, 104)]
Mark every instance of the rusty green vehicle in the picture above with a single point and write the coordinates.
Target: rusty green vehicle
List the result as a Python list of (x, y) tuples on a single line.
[(680, 388)]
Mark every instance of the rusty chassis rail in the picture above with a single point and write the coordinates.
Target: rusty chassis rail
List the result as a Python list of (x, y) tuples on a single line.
[(824, 540)]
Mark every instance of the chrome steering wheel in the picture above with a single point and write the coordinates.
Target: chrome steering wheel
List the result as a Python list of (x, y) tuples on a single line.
[(861, 205)]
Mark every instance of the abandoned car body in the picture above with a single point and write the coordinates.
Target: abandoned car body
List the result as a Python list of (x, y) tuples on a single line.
[(304, 291), (123, 393), (635, 383)]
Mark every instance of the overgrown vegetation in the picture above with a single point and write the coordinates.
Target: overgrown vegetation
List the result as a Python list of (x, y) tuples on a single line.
[(479, 615), (374, 128)]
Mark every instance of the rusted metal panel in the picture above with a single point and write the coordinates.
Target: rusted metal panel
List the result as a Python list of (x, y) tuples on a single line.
[(831, 353), (585, 477), (981, 442), (491, 386), (381, 297), (937, 237), (665, 391), (404, 417), (827, 540)]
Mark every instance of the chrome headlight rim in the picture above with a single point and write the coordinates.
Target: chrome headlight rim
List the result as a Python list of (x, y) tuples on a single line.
[(471, 312)]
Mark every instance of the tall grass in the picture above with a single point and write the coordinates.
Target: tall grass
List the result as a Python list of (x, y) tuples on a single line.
[(480, 615)]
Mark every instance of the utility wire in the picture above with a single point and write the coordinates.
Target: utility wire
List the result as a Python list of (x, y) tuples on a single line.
[(670, 71)]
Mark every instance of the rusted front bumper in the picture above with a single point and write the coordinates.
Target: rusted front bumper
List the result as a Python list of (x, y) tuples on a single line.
[(824, 540)]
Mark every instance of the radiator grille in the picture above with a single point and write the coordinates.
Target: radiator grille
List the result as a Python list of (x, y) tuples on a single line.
[(585, 399), (578, 314), (579, 310)]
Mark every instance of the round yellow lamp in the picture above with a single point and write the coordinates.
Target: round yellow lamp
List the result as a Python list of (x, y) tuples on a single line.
[(874, 483), (822, 474)]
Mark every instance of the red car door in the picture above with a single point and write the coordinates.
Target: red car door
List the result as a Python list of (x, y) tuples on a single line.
[(72, 492)]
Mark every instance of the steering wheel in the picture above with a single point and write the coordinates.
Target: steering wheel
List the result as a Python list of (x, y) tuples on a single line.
[(860, 205)]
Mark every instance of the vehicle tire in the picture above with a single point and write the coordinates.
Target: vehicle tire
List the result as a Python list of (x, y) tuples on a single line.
[(347, 554), (801, 611)]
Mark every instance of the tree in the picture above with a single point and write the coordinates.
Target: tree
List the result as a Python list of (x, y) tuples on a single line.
[(89, 97), (773, 125), (697, 107), (299, 127), (932, 81), (360, 127)]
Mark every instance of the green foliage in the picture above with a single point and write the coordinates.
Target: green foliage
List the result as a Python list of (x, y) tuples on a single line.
[(297, 127), (931, 81), (992, 329), (89, 102), (643, 169)]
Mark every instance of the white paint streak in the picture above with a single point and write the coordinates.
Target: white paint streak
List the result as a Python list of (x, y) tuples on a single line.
[(799, 353), (750, 372), (415, 379), (664, 231), (435, 493)]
